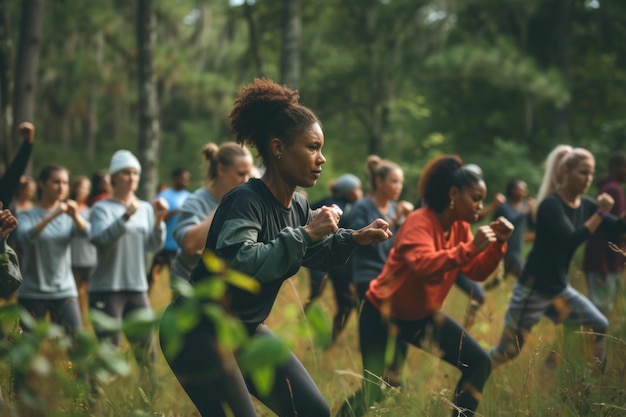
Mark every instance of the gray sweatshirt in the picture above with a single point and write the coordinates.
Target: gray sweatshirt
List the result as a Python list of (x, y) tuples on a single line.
[(195, 209), (122, 245), (46, 257)]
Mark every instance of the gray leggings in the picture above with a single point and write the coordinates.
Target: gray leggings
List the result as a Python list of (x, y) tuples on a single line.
[(64, 311), (210, 375), (119, 305), (526, 309)]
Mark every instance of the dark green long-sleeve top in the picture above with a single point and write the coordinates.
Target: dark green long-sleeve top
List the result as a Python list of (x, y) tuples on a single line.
[(260, 237)]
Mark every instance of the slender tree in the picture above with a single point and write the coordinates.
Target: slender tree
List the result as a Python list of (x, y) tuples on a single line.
[(6, 81), (148, 106), (290, 44), (27, 65)]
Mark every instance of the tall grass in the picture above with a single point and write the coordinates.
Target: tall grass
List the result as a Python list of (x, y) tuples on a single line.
[(523, 387)]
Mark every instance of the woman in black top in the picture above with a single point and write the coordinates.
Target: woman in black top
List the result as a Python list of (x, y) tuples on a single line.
[(565, 219), (264, 229)]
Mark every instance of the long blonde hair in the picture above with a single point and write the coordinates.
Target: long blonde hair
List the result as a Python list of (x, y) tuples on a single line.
[(563, 156)]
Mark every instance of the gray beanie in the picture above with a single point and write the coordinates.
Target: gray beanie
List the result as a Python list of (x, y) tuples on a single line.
[(345, 184), (123, 159)]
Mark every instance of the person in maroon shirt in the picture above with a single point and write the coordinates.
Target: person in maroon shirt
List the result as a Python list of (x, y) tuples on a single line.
[(603, 266)]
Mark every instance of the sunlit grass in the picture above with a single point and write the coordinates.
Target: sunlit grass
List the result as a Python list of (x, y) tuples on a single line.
[(523, 387)]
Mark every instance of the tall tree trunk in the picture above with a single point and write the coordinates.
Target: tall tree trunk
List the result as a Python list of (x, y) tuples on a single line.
[(562, 116), (90, 121), (6, 82), (148, 106), (290, 45), (27, 64), (255, 44)]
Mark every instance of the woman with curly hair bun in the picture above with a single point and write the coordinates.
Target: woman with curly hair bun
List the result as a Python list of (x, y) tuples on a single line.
[(265, 229)]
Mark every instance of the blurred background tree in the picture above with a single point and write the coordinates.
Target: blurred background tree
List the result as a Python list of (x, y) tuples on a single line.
[(499, 82)]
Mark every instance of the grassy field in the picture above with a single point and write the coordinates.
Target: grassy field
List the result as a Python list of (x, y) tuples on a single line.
[(524, 387)]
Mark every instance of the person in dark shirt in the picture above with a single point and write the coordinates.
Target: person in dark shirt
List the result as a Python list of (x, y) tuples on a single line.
[(10, 180), (603, 266), (264, 229), (565, 219), (518, 209), (345, 192)]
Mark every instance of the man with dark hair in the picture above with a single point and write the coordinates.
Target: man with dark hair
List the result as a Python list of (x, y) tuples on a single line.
[(175, 197), (602, 266)]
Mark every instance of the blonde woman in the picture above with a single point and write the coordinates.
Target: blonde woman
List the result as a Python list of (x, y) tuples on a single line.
[(565, 219)]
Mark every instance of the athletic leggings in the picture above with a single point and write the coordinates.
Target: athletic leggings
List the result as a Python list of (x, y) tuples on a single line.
[(343, 289), (440, 334), (119, 305), (210, 375), (64, 312)]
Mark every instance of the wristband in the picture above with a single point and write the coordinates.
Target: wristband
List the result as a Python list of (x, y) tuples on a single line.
[(602, 213)]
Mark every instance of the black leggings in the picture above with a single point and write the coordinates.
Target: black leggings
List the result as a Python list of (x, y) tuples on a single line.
[(439, 331), (210, 375)]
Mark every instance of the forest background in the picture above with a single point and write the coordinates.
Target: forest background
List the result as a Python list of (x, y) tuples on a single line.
[(500, 82)]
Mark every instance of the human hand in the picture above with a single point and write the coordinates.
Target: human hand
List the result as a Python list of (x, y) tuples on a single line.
[(605, 202), (484, 237), (60, 209), (499, 199), (377, 231), (323, 223), (131, 209), (72, 208), (502, 228), (8, 222), (27, 131), (160, 207), (404, 208)]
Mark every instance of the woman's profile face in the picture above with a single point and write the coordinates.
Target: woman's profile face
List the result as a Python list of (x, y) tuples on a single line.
[(300, 163), (468, 203), (237, 173), (579, 178)]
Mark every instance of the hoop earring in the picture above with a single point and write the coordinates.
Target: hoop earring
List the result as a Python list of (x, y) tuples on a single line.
[(451, 204)]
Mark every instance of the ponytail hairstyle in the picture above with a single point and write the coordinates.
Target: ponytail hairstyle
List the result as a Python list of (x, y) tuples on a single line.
[(224, 154), (563, 156), (265, 110), (377, 167), (439, 176), (45, 173)]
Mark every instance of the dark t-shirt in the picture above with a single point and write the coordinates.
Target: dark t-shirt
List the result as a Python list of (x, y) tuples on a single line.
[(559, 231), (518, 220), (260, 237)]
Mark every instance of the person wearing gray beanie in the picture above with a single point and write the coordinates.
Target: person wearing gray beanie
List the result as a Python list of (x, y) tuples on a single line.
[(124, 159), (345, 184), (124, 229)]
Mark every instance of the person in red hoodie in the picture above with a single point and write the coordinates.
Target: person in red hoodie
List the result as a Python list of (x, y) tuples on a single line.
[(433, 245)]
